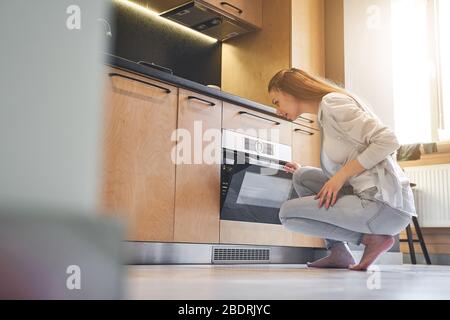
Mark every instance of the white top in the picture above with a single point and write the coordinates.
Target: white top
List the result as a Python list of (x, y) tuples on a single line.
[(352, 131), (336, 160), (337, 151)]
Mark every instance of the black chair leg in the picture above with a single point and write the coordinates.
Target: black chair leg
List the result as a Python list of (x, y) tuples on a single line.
[(412, 252), (421, 240)]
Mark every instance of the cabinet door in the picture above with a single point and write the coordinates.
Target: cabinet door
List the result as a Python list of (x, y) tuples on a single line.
[(306, 151), (138, 174), (197, 195), (246, 10), (306, 145)]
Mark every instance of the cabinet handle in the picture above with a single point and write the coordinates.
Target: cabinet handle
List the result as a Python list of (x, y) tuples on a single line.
[(223, 4), (254, 115), (301, 118), (304, 132), (299, 124), (138, 80), (212, 104)]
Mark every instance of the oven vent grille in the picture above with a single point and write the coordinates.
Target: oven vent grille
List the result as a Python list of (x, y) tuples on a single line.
[(240, 255)]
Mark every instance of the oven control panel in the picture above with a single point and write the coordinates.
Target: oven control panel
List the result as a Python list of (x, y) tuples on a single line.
[(258, 146), (240, 142)]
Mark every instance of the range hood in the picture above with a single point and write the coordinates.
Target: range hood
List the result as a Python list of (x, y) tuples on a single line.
[(208, 20)]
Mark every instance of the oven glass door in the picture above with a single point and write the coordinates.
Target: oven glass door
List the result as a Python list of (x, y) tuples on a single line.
[(253, 189)]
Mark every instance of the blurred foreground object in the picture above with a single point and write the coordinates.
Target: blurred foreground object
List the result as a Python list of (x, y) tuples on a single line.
[(53, 242), (59, 254), (51, 92)]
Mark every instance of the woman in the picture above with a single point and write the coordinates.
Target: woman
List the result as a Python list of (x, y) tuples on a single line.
[(360, 194)]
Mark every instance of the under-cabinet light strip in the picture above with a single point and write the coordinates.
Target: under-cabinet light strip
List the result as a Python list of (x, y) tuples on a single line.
[(152, 13)]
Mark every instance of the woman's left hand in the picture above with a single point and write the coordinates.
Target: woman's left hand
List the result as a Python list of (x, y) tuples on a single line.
[(330, 190)]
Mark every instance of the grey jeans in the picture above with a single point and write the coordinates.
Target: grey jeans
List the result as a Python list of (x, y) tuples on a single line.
[(352, 216)]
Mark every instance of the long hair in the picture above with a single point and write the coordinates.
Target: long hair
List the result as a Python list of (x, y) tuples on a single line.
[(305, 86), (302, 85)]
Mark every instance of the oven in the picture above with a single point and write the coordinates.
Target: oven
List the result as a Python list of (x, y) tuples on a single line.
[(253, 182)]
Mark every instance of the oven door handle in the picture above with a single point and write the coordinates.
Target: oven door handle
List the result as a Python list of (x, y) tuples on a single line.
[(265, 164)]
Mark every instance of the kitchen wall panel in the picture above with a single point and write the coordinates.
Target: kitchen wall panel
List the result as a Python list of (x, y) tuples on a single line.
[(308, 36), (334, 41), (248, 62), (292, 36)]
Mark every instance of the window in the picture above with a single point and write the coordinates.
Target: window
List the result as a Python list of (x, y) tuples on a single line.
[(442, 13), (421, 69)]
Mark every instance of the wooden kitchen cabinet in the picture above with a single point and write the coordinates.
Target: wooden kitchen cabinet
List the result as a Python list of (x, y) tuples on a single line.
[(306, 152), (306, 145), (197, 195), (256, 124), (138, 175), (249, 11)]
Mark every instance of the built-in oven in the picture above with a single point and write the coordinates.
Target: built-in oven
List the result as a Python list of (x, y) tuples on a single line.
[(253, 182)]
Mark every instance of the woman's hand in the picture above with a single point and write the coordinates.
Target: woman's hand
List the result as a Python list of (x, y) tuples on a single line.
[(291, 167), (330, 190)]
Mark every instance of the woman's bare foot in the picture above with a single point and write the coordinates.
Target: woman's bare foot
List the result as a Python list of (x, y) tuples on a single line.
[(339, 258), (375, 246)]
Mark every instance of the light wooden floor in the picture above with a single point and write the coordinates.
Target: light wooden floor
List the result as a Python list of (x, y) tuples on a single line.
[(285, 282)]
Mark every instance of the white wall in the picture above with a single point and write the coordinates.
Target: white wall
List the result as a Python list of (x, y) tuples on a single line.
[(368, 57)]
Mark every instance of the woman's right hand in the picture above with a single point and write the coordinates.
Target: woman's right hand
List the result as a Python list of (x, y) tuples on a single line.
[(291, 167)]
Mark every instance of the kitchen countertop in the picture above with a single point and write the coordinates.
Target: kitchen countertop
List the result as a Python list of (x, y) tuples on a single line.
[(129, 65)]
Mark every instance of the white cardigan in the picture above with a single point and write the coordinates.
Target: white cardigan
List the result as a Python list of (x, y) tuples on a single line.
[(370, 142), (334, 153)]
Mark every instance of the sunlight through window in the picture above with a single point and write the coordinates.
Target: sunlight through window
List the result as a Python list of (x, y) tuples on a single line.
[(411, 71), (444, 57)]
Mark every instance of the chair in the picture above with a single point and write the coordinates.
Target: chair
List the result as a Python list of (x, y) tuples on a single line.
[(420, 239)]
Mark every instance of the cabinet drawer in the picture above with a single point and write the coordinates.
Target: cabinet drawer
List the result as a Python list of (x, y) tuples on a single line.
[(247, 10), (256, 124)]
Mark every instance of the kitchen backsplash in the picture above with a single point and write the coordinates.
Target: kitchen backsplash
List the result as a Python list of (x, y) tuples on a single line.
[(139, 36)]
